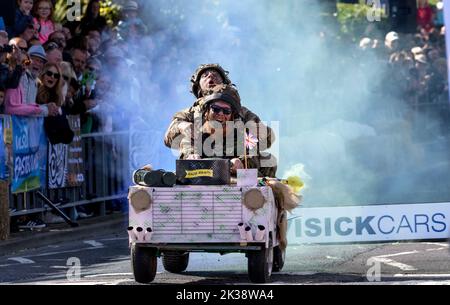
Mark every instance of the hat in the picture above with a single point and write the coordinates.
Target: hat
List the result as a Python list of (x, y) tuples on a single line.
[(391, 36), (37, 51), (225, 93), (365, 42), (130, 6), (417, 50)]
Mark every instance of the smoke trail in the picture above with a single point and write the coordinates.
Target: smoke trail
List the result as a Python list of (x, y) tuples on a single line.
[(351, 141)]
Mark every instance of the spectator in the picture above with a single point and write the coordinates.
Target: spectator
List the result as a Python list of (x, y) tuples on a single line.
[(79, 58), (92, 18), (93, 44), (59, 38), (43, 11), (22, 100), (53, 51), (23, 18), (72, 100), (16, 59), (67, 33), (50, 85), (29, 33), (424, 15), (391, 42), (439, 14), (131, 26)]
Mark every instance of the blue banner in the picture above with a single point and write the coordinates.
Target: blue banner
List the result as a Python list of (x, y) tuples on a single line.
[(28, 133)]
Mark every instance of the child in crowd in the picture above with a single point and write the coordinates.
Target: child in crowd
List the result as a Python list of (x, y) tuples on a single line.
[(43, 12), (23, 18)]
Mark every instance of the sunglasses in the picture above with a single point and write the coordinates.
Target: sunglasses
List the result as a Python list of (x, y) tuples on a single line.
[(19, 48), (51, 46), (51, 74), (217, 110)]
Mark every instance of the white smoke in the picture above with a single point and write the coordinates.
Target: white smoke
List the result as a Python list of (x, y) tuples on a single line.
[(339, 130)]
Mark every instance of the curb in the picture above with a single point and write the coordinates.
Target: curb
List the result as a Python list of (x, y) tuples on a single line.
[(93, 227)]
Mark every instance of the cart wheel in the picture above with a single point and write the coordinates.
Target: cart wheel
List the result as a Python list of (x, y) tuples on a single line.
[(279, 257), (175, 262), (260, 265), (143, 263)]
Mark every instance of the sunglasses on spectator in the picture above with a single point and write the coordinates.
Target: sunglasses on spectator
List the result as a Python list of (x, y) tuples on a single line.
[(20, 48), (217, 110), (51, 46), (51, 74)]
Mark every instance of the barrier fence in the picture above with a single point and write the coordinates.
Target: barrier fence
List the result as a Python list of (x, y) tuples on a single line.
[(103, 170)]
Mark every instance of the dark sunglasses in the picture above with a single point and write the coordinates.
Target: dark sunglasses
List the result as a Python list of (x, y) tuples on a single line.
[(52, 46), (217, 110), (51, 74), (19, 48)]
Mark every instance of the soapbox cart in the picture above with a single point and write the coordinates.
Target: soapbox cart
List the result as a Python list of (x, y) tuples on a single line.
[(171, 222)]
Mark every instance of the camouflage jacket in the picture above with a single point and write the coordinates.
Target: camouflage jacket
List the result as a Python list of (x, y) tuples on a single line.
[(185, 144)]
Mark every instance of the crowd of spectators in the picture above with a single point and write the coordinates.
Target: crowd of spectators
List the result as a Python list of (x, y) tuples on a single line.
[(417, 64), (51, 70)]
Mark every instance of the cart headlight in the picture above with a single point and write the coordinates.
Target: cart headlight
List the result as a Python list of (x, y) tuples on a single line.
[(253, 199), (140, 200)]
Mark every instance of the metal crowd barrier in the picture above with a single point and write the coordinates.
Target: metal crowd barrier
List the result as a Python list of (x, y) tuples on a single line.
[(106, 170)]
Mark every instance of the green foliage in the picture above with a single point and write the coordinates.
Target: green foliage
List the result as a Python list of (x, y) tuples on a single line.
[(353, 17), (108, 9), (111, 11)]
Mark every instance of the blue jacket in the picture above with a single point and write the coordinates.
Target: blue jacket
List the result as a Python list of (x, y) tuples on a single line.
[(20, 24)]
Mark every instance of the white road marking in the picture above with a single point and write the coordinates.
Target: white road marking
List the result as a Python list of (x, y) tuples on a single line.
[(426, 275), (93, 243), (331, 257), (438, 244), (437, 249), (398, 254), (21, 260), (393, 263), (63, 252), (108, 274)]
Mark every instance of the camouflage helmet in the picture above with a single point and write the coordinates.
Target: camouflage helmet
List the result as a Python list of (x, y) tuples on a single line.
[(195, 78), (225, 93)]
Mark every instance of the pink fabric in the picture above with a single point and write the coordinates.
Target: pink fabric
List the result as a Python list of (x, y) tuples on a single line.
[(15, 105), (45, 28)]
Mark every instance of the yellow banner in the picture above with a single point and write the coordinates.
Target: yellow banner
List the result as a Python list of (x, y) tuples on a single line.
[(199, 173)]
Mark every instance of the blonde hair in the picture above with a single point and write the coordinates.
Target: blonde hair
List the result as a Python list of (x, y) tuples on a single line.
[(48, 95)]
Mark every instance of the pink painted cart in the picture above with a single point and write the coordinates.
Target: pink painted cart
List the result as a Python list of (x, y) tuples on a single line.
[(171, 222)]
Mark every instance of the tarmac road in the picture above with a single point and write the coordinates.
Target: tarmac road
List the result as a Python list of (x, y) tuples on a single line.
[(105, 261)]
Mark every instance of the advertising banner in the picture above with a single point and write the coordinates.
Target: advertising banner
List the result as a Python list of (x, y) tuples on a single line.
[(370, 223), (27, 136)]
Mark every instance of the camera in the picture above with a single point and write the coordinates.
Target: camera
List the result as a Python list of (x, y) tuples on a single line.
[(6, 49)]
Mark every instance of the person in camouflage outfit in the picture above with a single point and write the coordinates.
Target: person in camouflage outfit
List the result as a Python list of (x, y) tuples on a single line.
[(203, 82)]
